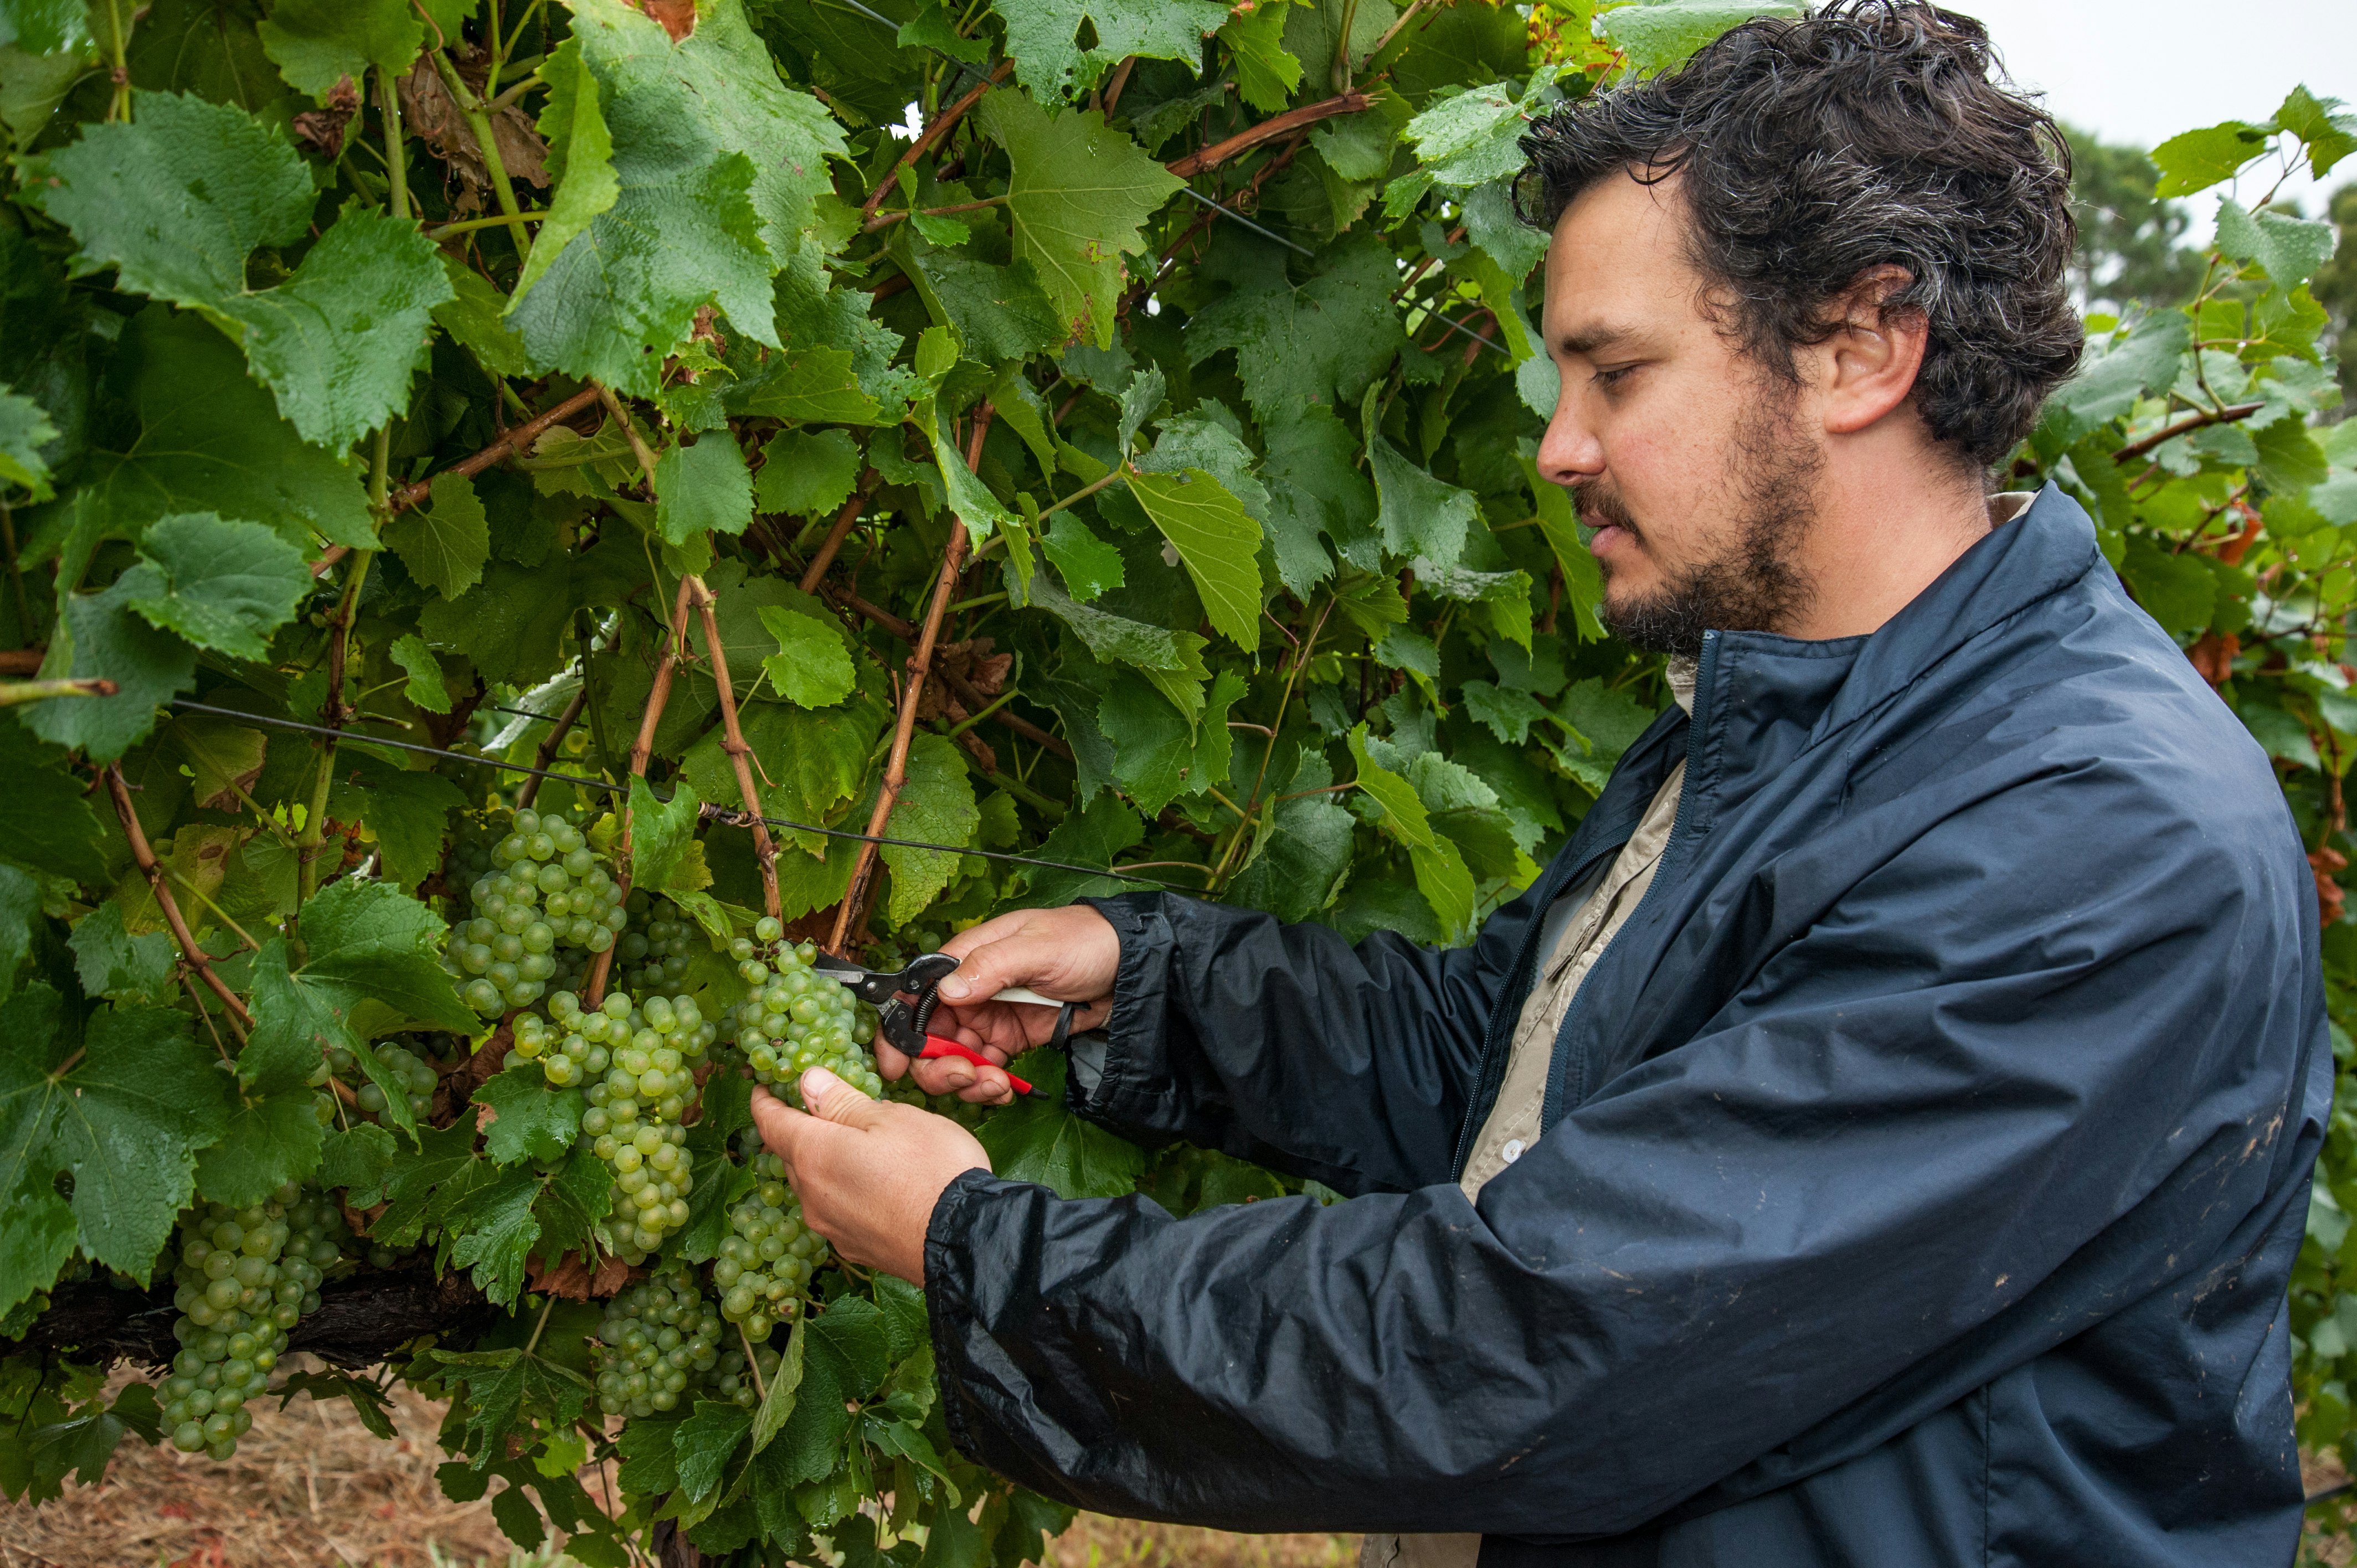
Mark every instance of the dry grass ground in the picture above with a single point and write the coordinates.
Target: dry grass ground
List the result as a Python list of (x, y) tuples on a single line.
[(310, 1487)]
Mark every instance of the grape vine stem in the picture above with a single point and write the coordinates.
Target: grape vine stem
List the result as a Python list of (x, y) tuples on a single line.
[(145, 855), (642, 749), (942, 125), (740, 754), (920, 663), (515, 440), (530, 789)]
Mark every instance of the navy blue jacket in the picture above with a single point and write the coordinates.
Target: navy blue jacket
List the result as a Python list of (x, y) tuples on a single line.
[(1924, 1163)]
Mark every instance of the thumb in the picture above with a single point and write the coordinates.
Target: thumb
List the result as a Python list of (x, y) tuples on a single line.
[(986, 972), (829, 1099)]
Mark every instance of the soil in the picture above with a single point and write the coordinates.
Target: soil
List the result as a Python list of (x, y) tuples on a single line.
[(311, 1488)]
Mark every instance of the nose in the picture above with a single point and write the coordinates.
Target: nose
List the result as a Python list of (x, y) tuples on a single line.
[(1569, 452)]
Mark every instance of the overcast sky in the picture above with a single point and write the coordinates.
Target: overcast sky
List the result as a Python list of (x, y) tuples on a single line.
[(2142, 71)]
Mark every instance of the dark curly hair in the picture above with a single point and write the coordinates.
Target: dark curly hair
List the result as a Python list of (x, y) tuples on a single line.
[(1809, 151)]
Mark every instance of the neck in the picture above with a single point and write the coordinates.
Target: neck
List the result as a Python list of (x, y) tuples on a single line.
[(1889, 521)]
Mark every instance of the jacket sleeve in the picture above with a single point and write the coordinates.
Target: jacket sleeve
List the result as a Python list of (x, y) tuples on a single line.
[(1286, 1046), (1991, 1098)]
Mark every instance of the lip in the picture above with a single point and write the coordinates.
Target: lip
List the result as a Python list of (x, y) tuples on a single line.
[(1606, 538)]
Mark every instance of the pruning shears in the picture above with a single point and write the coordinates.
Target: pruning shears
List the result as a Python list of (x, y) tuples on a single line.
[(903, 1024)]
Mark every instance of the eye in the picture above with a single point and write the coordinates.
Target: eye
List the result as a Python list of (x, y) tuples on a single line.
[(1612, 378)]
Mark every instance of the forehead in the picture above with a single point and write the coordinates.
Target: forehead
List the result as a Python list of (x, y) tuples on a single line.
[(1618, 256)]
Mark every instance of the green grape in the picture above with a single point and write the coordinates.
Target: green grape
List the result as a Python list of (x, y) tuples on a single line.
[(544, 902), (641, 1084), (662, 1342), (795, 1018), (766, 1263), (415, 1076), (244, 1277)]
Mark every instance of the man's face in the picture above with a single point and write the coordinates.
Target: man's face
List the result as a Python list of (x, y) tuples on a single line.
[(1681, 452)]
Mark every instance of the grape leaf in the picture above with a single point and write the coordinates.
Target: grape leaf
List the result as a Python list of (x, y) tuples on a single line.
[(295, 1019), (176, 199), (1472, 138), (210, 440), (1042, 37), (1658, 36), (127, 1117), (1076, 199), (2288, 250), (1000, 313), (426, 687), (406, 811), (2196, 160), (1320, 343), (266, 1140), (475, 315), (45, 27), (1088, 564), (936, 804), (371, 940), (702, 1443), (712, 163), (1267, 73), (494, 1233), (804, 474), (316, 43), (703, 488), (46, 820), (24, 429), (111, 962), (661, 831), (225, 757), (109, 638), (512, 624), (812, 668), (445, 543), (1420, 515), (580, 160), (1037, 1139), (530, 1120), (1161, 754), (229, 584), (1216, 542)]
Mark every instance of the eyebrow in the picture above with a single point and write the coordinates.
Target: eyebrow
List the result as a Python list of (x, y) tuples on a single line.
[(1586, 340)]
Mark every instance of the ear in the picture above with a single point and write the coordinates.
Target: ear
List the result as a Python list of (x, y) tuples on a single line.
[(1868, 367)]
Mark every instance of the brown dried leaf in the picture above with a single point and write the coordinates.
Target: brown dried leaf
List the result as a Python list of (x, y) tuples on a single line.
[(322, 129), (677, 16), (428, 111), (574, 1280)]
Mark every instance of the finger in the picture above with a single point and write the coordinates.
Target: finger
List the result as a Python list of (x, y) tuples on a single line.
[(941, 1075), (990, 968), (781, 1126), (996, 928), (990, 1087), (829, 1099), (890, 1061)]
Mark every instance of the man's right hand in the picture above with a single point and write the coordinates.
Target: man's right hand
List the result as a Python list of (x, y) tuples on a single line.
[(1071, 954)]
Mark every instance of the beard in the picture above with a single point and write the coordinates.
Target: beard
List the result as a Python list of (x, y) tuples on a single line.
[(1751, 581)]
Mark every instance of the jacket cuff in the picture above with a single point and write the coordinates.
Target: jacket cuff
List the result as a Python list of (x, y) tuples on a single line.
[(1133, 1085), (951, 1309)]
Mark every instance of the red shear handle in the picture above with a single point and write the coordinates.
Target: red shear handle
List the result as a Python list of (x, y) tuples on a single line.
[(935, 1046)]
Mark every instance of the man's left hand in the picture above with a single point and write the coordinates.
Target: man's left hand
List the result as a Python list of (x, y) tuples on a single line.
[(868, 1171)]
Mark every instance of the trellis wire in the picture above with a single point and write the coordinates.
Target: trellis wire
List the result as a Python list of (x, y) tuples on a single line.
[(718, 813)]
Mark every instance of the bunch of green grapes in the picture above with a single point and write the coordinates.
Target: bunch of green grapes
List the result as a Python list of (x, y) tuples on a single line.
[(765, 1266), (661, 1341), (548, 896), (413, 1072), (245, 1276), (653, 953), (651, 1053), (795, 1018), (905, 1091)]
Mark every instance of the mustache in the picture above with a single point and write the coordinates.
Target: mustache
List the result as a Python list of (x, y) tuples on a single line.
[(1597, 505)]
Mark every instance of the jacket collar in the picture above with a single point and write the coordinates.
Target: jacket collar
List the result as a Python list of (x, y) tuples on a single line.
[(1758, 688)]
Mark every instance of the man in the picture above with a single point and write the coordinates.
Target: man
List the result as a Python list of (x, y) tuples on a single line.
[(1882, 1135)]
